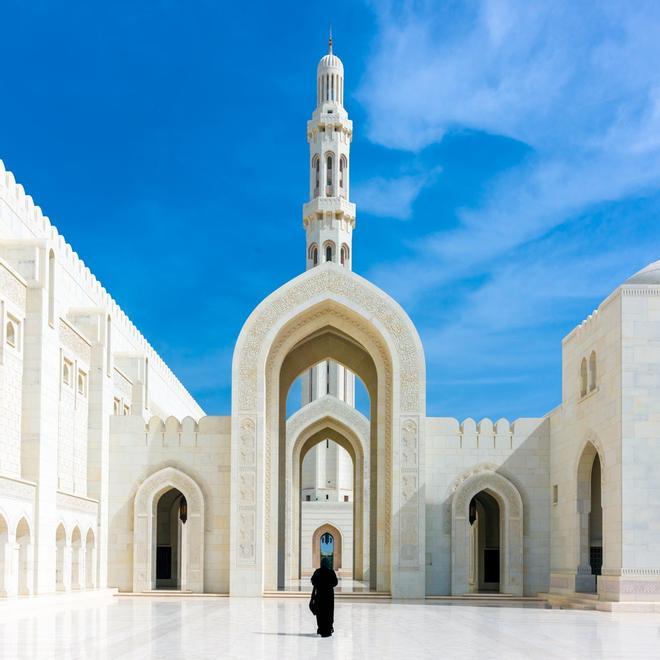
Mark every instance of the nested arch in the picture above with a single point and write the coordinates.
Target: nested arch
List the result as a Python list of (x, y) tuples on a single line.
[(328, 418), (144, 520), (332, 305), (511, 530)]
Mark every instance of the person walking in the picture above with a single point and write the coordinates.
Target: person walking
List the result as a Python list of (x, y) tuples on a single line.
[(322, 602)]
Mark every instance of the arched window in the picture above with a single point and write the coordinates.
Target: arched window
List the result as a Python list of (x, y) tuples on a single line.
[(316, 171), (583, 377), (342, 175), (328, 252), (344, 254), (592, 371), (67, 369), (314, 254), (328, 175), (11, 334)]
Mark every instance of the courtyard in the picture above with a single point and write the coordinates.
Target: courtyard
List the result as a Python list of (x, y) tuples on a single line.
[(205, 627)]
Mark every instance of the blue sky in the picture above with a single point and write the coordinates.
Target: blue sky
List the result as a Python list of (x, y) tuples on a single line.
[(506, 167)]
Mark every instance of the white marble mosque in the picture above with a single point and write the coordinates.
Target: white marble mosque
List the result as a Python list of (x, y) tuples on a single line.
[(113, 477)]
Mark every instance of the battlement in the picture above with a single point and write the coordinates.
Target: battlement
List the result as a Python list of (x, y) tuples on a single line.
[(485, 434), (170, 432), (23, 206)]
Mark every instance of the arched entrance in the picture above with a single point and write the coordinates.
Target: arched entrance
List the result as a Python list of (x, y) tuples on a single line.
[(4, 556), (169, 509), (501, 505), (62, 567), (485, 521), (589, 519), (327, 313), (170, 530), (327, 546), (76, 559), (90, 561), (25, 557)]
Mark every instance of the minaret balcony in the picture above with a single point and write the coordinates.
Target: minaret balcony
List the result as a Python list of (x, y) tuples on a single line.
[(328, 122), (336, 205)]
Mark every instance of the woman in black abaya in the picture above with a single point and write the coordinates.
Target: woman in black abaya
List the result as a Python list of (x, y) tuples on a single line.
[(322, 603)]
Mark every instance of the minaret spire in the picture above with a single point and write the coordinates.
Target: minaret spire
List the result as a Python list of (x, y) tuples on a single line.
[(328, 216)]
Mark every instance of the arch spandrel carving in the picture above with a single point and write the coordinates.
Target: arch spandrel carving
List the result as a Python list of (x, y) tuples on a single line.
[(326, 280)]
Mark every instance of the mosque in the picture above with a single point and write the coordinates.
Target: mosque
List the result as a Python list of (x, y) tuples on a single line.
[(113, 477)]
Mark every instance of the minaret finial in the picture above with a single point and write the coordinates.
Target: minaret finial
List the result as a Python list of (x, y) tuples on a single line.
[(330, 40)]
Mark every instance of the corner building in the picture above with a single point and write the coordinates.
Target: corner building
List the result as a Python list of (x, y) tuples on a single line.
[(111, 475)]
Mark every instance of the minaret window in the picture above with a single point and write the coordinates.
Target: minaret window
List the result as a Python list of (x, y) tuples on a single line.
[(314, 254), (316, 169), (328, 252), (344, 254), (328, 179), (342, 176)]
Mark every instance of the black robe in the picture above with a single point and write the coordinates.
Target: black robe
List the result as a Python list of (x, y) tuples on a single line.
[(324, 580)]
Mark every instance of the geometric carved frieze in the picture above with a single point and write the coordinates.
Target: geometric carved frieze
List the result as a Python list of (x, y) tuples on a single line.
[(19, 489), (70, 339), (12, 288), (74, 503)]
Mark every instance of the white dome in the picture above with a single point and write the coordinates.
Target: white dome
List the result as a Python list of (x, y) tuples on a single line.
[(648, 275), (331, 62)]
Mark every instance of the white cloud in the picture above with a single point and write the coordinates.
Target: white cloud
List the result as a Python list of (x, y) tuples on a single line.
[(391, 198), (579, 83)]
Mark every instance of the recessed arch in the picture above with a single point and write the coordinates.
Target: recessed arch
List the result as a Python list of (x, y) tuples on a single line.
[(144, 533), (62, 554), (90, 559), (25, 556), (77, 562), (590, 481), (511, 531), (4, 558)]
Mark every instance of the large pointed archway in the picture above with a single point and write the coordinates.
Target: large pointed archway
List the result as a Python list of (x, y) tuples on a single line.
[(328, 313)]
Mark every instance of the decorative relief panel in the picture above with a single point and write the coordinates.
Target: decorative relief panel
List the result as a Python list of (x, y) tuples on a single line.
[(12, 287), (246, 536), (70, 339), (14, 488), (73, 503), (247, 450), (409, 444), (247, 497), (345, 284), (246, 489)]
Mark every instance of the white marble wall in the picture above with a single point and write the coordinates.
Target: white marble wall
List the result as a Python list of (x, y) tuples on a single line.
[(521, 453), (201, 451)]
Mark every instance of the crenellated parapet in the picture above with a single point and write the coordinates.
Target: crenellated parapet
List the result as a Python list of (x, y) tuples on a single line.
[(485, 434), (22, 205), (172, 432)]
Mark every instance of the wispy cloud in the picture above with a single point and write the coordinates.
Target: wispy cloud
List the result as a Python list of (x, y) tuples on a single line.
[(576, 82), (392, 198)]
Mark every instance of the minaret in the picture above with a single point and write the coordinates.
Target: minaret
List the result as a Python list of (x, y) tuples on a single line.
[(328, 217)]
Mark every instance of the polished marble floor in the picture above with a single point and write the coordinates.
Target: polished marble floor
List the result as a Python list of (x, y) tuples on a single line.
[(198, 628)]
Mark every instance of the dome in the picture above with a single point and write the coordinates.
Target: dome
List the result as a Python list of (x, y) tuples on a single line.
[(648, 275), (332, 62)]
